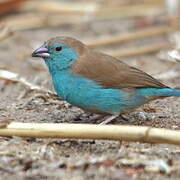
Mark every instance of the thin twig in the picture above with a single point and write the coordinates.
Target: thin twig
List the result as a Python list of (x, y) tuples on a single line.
[(90, 131), (7, 75)]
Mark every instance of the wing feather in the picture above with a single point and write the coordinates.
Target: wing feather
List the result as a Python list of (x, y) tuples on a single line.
[(111, 72)]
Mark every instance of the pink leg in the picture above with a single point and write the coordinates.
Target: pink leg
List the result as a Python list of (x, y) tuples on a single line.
[(108, 119), (96, 118)]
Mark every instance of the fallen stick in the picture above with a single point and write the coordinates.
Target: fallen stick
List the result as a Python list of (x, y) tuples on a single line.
[(139, 50), (10, 76), (37, 20), (149, 32), (90, 131)]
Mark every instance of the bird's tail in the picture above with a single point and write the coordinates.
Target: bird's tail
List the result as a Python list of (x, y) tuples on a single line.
[(158, 92)]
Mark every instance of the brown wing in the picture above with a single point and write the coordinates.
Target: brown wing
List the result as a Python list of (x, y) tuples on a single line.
[(111, 72)]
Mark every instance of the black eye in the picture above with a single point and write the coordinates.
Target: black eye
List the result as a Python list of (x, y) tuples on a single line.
[(59, 48)]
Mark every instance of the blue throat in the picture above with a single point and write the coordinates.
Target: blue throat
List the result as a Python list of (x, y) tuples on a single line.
[(61, 61)]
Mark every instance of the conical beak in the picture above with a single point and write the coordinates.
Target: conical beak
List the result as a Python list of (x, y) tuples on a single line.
[(41, 52)]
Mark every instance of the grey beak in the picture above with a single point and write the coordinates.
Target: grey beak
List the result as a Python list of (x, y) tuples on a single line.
[(41, 52)]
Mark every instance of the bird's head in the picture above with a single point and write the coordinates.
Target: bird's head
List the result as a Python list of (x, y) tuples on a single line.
[(60, 53)]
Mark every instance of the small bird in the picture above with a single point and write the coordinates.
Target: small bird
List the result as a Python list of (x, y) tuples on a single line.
[(97, 82)]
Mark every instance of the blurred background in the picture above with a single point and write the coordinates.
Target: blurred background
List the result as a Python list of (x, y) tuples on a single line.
[(143, 33)]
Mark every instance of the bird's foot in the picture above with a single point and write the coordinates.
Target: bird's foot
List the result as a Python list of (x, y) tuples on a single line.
[(108, 119), (123, 118), (95, 118), (105, 119), (90, 120)]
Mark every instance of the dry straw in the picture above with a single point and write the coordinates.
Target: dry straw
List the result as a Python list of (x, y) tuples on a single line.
[(91, 131)]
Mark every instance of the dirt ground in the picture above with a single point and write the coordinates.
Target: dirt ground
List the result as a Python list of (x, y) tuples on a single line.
[(30, 158)]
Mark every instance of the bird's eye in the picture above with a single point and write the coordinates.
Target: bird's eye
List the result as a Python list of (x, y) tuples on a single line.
[(59, 48)]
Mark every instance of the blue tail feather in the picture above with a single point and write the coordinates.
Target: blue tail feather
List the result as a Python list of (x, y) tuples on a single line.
[(156, 92)]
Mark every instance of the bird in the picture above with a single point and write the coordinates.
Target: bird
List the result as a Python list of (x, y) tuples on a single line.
[(97, 82)]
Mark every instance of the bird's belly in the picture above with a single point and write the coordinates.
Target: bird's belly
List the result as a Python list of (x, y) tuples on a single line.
[(103, 101), (89, 96)]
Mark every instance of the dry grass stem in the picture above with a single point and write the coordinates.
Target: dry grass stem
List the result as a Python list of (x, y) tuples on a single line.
[(62, 7), (89, 131), (7, 75), (36, 20), (99, 11), (149, 32), (139, 50)]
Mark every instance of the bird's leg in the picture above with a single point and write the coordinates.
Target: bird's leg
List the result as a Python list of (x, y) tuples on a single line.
[(105, 119), (123, 117), (96, 118), (108, 119), (92, 119)]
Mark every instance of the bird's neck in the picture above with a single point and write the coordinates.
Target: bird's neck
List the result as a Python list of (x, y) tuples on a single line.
[(59, 63), (55, 68), (64, 82)]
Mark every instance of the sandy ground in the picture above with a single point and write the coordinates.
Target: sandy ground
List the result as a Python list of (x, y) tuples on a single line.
[(29, 158)]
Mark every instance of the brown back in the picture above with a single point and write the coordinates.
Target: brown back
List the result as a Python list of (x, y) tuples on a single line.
[(111, 72)]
